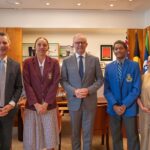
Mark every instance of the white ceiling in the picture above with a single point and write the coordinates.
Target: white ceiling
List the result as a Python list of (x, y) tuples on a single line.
[(121, 5)]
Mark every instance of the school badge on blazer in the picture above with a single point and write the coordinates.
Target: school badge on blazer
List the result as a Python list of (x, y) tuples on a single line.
[(50, 76), (129, 78)]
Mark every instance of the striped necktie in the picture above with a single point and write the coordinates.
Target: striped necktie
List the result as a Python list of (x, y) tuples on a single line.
[(2, 83), (119, 71)]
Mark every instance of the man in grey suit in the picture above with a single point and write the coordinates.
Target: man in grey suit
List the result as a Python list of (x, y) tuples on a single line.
[(10, 91), (81, 77)]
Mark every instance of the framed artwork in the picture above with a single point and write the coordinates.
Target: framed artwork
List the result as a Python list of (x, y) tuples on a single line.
[(106, 53), (65, 50), (53, 50)]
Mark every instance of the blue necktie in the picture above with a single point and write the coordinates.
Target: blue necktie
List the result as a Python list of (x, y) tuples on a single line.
[(119, 71), (81, 72), (2, 83)]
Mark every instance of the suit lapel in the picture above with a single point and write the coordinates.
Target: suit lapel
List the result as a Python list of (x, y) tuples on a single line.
[(75, 65), (8, 71), (87, 64)]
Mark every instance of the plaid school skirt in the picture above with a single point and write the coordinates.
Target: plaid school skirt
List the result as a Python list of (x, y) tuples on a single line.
[(40, 131)]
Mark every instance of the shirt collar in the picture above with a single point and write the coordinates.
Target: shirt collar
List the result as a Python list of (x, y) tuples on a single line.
[(41, 64), (121, 61), (77, 55), (4, 59)]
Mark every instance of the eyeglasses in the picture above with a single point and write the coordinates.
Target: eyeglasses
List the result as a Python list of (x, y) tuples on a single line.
[(77, 43)]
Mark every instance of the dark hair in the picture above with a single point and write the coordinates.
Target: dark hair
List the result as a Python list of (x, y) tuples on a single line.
[(120, 42), (39, 39), (5, 34)]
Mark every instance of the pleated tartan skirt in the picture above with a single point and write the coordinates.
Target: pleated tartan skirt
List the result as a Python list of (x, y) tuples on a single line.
[(40, 131)]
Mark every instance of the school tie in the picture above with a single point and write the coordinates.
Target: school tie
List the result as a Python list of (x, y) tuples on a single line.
[(81, 72), (2, 83), (119, 71)]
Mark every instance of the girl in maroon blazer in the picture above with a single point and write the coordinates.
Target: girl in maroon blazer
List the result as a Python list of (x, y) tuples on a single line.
[(41, 76)]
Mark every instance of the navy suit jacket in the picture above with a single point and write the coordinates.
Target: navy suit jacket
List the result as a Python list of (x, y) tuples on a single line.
[(125, 93), (13, 86)]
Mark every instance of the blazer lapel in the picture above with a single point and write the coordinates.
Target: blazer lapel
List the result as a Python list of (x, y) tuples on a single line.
[(115, 69), (47, 68), (37, 68), (124, 69)]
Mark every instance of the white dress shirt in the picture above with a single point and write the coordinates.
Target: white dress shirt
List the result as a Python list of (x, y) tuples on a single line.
[(5, 65)]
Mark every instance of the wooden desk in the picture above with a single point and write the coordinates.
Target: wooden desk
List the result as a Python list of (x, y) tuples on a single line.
[(101, 125), (62, 104)]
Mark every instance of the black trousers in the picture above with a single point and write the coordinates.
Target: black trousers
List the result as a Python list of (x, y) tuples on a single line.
[(20, 126), (130, 124), (6, 125)]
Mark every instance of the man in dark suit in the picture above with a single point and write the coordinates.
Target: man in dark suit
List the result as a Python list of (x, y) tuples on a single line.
[(10, 91), (81, 77), (122, 87)]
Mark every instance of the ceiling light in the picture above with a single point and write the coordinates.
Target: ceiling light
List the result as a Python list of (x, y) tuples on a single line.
[(130, 0), (17, 3), (14, 2), (111, 5), (78, 4), (47, 4)]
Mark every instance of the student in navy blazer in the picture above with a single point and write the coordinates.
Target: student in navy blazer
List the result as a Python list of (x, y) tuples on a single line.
[(121, 96)]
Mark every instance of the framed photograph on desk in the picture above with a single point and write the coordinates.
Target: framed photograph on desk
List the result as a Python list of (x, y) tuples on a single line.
[(106, 53)]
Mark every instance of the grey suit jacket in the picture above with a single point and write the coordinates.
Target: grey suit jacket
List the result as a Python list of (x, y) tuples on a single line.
[(70, 80), (13, 86)]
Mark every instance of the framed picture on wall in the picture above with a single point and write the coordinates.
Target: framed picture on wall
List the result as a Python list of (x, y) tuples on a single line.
[(65, 50), (106, 53), (53, 50)]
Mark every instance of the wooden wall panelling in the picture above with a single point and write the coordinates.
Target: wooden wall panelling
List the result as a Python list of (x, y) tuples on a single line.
[(131, 38), (15, 35), (2, 29)]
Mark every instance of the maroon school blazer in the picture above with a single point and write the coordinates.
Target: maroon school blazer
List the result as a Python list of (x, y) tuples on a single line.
[(41, 88)]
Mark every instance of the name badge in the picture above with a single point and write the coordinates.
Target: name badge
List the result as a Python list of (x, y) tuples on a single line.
[(129, 78)]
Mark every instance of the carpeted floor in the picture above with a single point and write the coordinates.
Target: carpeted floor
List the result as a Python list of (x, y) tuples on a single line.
[(66, 138)]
